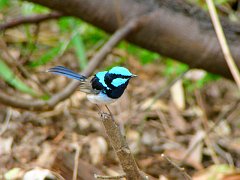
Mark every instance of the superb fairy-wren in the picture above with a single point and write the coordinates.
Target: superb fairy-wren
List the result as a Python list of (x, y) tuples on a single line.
[(104, 87)]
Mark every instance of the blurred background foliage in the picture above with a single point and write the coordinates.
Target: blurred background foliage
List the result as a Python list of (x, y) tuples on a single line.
[(26, 51), (38, 45)]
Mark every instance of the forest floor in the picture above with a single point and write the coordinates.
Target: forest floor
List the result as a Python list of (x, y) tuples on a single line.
[(207, 118)]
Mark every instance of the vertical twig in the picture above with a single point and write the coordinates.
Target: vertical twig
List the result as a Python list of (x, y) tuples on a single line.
[(7, 119), (121, 148), (223, 42), (76, 160)]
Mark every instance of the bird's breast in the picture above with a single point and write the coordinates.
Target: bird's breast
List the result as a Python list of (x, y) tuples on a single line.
[(100, 98)]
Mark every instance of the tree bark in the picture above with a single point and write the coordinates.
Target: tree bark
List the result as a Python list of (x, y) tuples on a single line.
[(177, 29)]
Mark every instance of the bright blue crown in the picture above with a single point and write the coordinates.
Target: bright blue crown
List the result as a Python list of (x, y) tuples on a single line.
[(120, 71)]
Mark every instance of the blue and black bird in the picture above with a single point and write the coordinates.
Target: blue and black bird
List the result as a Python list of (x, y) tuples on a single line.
[(104, 87)]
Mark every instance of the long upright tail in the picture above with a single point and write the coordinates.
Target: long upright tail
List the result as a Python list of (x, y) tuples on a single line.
[(61, 70)]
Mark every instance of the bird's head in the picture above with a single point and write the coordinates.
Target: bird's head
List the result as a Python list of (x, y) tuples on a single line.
[(118, 76)]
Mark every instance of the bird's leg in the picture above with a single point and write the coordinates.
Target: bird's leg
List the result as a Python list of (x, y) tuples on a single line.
[(99, 109), (110, 113), (103, 114)]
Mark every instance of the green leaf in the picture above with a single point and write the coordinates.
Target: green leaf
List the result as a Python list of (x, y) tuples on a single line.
[(3, 4), (144, 55), (7, 74), (12, 173), (80, 50), (50, 55), (28, 8), (174, 68), (209, 77)]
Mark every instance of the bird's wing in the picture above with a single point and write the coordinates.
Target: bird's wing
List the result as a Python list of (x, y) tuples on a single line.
[(88, 88), (61, 70)]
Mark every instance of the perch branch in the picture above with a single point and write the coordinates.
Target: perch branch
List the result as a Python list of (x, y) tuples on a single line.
[(121, 148), (120, 34), (29, 20)]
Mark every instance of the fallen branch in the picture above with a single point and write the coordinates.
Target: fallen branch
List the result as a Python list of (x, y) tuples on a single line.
[(71, 87), (35, 19), (179, 30)]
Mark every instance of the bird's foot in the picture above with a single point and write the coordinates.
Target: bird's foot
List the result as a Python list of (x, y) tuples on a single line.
[(105, 116)]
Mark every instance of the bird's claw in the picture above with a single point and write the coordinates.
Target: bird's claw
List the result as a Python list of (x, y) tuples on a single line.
[(104, 115)]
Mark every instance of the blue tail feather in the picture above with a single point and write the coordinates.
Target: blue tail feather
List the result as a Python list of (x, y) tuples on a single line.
[(61, 70)]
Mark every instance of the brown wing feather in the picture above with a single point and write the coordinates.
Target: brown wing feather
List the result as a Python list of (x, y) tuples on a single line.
[(86, 87)]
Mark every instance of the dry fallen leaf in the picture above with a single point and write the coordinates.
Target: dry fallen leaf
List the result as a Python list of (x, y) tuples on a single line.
[(195, 157), (13, 174), (5, 145), (39, 174), (158, 104), (195, 74), (133, 141), (177, 94), (98, 148), (178, 120)]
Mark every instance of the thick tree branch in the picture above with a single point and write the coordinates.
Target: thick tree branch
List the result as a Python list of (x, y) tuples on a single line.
[(30, 20), (178, 30), (69, 89)]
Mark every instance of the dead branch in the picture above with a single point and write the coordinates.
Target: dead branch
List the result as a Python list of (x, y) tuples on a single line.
[(120, 34), (121, 148), (35, 19)]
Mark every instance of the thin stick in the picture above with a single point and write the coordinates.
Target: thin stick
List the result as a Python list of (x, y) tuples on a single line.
[(99, 109), (204, 120), (75, 171), (165, 90), (223, 42), (182, 170), (21, 68), (109, 177), (29, 20), (219, 119), (7, 120), (109, 112)]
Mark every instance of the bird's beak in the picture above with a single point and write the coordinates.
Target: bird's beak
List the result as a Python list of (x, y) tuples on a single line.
[(133, 76)]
